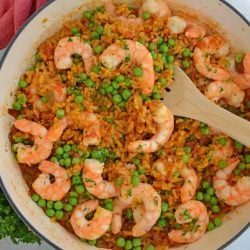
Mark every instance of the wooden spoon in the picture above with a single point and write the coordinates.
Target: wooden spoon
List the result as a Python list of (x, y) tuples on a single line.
[(184, 99)]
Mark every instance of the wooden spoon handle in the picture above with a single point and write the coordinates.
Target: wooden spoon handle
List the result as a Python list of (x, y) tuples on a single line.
[(219, 118)]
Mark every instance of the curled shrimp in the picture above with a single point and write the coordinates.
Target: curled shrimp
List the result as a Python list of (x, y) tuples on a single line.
[(69, 46), (209, 46), (243, 80), (164, 119), (190, 184), (231, 195), (94, 183), (94, 228), (91, 125), (136, 53), (187, 212), (130, 197), (178, 25), (228, 91), (158, 8), (43, 143), (51, 191)]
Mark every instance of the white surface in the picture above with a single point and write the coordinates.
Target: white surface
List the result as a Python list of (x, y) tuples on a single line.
[(242, 243)]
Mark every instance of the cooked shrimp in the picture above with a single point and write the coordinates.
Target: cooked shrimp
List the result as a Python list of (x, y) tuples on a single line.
[(94, 228), (231, 195), (190, 184), (130, 197), (136, 53), (187, 212), (94, 183), (164, 119), (243, 80), (91, 125), (228, 91), (178, 25), (212, 45), (43, 143), (158, 8), (69, 46), (45, 188)]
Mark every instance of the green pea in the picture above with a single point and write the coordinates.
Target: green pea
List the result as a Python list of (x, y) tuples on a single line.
[(58, 205), (185, 158), (89, 83), (118, 181), (135, 181), (98, 49), (35, 197), (150, 247), (76, 160), (210, 191), (186, 52), (87, 14), (59, 151), (117, 99), (162, 223), (187, 149), (154, 55), (239, 57), (136, 161), (217, 222), (205, 130), (62, 162), (22, 84), (164, 48), (38, 57), (83, 77), (44, 99), (100, 30), (213, 200), (109, 206), (92, 242), (120, 78), (215, 209), (50, 212), (115, 85), (120, 242), (136, 242), (164, 207), (205, 184), (77, 180), (41, 203), (21, 98), (210, 226), (237, 171), (171, 42), (68, 207), (247, 158), (163, 81), (207, 197), (73, 194), (94, 35), (126, 94), (80, 189), (185, 64), (128, 82), (76, 60), (160, 40), (170, 58), (157, 96), (157, 69), (222, 141), (74, 30), (128, 245), (152, 46), (59, 214), (129, 214), (115, 92), (96, 69), (17, 106), (141, 171), (146, 15), (222, 164), (137, 248), (50, 204), (72, 201), (138, 71), (242, 166), (199, 196), (60, 113)]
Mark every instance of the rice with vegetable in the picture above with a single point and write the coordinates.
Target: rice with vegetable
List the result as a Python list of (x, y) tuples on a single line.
[(100, 152)]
